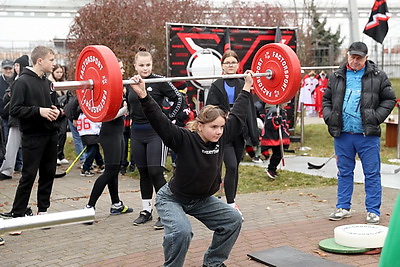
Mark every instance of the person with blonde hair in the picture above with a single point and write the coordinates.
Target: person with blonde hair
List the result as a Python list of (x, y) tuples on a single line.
[(200, 151), (149, 150)]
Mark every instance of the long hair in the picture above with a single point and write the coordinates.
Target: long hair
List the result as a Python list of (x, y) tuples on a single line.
[(207, 114), (56, 67)]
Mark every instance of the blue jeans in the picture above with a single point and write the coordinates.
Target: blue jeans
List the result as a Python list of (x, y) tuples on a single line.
[(92, 154), (216, 215), (77, 141), (368, 150)]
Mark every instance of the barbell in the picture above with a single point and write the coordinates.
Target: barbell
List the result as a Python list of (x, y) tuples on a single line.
[(98, 79), (46, 220)]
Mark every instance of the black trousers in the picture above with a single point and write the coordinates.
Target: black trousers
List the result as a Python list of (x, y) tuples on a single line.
[(39, 153), (276, 156), (112, 142), (232, 156)]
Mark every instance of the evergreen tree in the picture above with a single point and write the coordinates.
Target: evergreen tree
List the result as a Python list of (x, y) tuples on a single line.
[(325, 43)]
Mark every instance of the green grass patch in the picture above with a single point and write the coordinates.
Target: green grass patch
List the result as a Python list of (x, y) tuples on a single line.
[(254, 179)]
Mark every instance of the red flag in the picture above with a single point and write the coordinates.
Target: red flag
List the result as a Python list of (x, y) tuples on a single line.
[(225, 43), (377, 26)]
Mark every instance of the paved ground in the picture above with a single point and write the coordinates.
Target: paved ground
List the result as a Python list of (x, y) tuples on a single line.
[(296, 218)]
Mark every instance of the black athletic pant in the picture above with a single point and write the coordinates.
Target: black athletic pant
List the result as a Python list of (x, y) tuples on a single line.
[(112, 142), (232, 156), (150, 153), (39, 153), (62, 138)]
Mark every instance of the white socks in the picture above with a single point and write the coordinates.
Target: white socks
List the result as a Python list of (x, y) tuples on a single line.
[(233, 205), (147, 205)]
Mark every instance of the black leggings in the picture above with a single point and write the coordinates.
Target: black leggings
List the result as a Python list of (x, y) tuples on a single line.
[(232, 156), (149, 154), (112, 142)]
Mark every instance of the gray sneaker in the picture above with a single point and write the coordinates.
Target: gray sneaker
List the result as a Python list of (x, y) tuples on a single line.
[(158, 225), (372, 218), (340, 214)]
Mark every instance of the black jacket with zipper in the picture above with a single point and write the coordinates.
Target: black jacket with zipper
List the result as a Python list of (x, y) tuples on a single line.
[(377, 99), (217, 96), (29, 93)]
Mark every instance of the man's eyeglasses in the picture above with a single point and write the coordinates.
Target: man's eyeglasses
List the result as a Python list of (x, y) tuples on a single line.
[(230, 63)]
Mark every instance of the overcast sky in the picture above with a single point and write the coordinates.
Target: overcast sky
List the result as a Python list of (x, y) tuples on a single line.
[(20, 29)]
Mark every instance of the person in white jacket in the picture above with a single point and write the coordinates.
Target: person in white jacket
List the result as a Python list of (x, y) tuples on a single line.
[(89, 132)]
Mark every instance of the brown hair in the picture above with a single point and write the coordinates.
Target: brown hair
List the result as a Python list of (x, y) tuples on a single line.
[(207, 114), (143, 53), (229, 53), (56, 67), (40, 52)]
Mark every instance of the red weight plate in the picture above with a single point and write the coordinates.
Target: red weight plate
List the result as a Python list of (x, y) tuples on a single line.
[(285, 81), (99, 64)]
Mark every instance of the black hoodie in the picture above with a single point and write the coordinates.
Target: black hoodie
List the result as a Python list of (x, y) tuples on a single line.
[(29, 93), (198, 164)]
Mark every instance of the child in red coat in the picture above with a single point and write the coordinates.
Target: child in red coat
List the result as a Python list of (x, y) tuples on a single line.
[(271, 140)]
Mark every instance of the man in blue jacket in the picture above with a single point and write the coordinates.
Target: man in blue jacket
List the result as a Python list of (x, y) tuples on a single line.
[(358, 99)]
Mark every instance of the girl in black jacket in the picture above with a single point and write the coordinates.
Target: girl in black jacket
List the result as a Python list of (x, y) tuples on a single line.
[(149, 151), (223, 93)]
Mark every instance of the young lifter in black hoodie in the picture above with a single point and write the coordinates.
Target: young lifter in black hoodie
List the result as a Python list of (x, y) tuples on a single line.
[(197, 176), (34, 104)]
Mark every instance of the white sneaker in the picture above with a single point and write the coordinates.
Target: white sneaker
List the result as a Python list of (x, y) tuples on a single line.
[(238, 210), (58, 162), (372, 218), (257, 160), (64, 161), (340, 214)]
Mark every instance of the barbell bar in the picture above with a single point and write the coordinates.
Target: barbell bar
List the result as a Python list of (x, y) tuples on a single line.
[(98, 79), (47, 220), (89, 84)]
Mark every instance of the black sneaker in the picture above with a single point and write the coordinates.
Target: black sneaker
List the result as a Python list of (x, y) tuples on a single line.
[(132, 168), (120, 208), (4, 177), (1, 241), (158, 225), (10, 214), (86, 173), (144, 216), (101, 169), (28, 212), (271, 173), (122, 170)]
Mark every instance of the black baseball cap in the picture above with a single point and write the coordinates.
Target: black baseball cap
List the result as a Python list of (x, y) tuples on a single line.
[(7, 63), (358, 48)]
